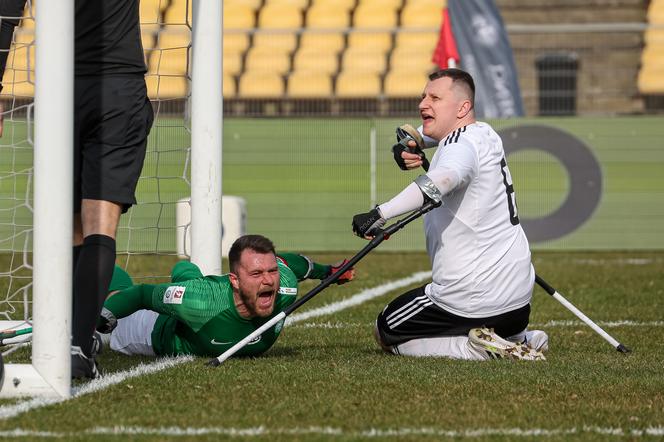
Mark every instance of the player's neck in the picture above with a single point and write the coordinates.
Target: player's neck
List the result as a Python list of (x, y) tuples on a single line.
[(240, 306)]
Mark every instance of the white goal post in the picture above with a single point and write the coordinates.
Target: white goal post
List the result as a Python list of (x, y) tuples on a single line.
[(49, 373)]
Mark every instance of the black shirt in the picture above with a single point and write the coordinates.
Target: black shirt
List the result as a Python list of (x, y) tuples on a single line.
[(108, 38)]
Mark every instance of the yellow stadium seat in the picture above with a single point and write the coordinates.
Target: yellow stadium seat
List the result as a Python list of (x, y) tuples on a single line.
[(235, 42), (28, 20), (261, 85), (437, 3), (300, 4), (322, 41), (19, 83), (421, 41), (405, 83), (253, 4), (166, 87), (278, 42), (357, 85), (309, 84), (228, 86), (654, 36), (266, 60), (238, 16), (278, 16), (178, 12), (151, 11), (148, 40), (168, 61), (421, 16), (651, 81), (376, 41), (374, 16), (361, 60), (407, 58), (327, 16), (314, 60), (346, 5), (653, 56), (232, 63), (176, 39), (386, 4)]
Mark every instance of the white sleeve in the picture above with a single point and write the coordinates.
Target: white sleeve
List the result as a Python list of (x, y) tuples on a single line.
[(409, 199), (456, 167)]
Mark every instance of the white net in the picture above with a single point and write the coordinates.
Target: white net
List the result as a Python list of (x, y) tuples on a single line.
[(147, 233)]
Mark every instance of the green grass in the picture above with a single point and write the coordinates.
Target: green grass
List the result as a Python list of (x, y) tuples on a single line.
[(327, 372)]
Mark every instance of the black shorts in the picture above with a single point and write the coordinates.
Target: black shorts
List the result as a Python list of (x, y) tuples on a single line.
[(413, 316), (113, 117)]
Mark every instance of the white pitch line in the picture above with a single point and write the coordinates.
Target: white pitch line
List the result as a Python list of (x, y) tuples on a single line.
[(549, 324), (8, 411), (368, 433), (359, 298)]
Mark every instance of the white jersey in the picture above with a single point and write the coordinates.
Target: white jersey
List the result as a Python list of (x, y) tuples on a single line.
[(481, 264)]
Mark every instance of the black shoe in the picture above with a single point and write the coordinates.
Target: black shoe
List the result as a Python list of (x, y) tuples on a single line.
[(83, 366)]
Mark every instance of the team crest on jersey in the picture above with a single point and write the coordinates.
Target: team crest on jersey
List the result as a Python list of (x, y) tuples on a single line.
[(288, 290), (279, 326), (174, 294)]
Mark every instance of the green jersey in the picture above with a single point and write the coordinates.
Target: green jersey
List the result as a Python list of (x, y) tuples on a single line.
[(198, 314)]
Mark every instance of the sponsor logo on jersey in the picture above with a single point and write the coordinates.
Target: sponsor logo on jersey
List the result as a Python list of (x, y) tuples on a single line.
[(174, 294), (288, 290), (256, 340)]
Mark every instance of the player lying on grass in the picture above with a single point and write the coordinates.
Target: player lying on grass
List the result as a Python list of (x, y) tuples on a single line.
[(206, 315)]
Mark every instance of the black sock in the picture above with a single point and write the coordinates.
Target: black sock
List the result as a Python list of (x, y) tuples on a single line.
[(92, 277)]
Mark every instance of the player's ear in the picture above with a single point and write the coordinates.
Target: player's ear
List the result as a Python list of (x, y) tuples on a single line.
[(466, 106), (235, 282)]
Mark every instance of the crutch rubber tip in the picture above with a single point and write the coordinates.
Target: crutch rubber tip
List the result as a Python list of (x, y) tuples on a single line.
[(622, 349), (214, 362)]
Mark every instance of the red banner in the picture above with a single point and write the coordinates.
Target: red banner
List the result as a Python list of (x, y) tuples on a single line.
[(446, 54)]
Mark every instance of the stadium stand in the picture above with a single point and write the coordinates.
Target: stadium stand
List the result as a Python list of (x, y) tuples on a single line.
[(651, 73), (387, 44), (261, 84), (309, 84)]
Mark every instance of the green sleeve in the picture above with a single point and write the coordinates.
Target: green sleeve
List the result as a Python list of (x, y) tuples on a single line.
[(304, 268), (130, 300), (185, 271), (120, 281)]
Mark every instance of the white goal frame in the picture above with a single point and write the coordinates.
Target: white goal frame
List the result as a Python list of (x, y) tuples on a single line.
[(49, 374)]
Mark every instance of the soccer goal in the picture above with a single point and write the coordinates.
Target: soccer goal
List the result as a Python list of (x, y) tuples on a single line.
[(183, 160)]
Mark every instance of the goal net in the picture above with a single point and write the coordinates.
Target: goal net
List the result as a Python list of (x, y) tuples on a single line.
[(148, 232)]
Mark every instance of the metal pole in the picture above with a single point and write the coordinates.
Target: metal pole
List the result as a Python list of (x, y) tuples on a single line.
[(53, 183), (206, 135)]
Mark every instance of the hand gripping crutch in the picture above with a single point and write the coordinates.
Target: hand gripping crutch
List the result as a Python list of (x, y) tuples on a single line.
[(381, 235)]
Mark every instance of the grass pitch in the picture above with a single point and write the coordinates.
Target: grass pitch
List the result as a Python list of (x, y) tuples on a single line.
[(325, 378)]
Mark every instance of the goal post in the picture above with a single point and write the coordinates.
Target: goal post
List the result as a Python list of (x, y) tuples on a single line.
[(35, 206), (206, 135), (49, 374)]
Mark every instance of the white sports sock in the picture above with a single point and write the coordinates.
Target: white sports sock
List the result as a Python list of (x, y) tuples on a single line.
[(454, 347)]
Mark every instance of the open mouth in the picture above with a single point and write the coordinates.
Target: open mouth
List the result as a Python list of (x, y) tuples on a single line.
[(265, 299)]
